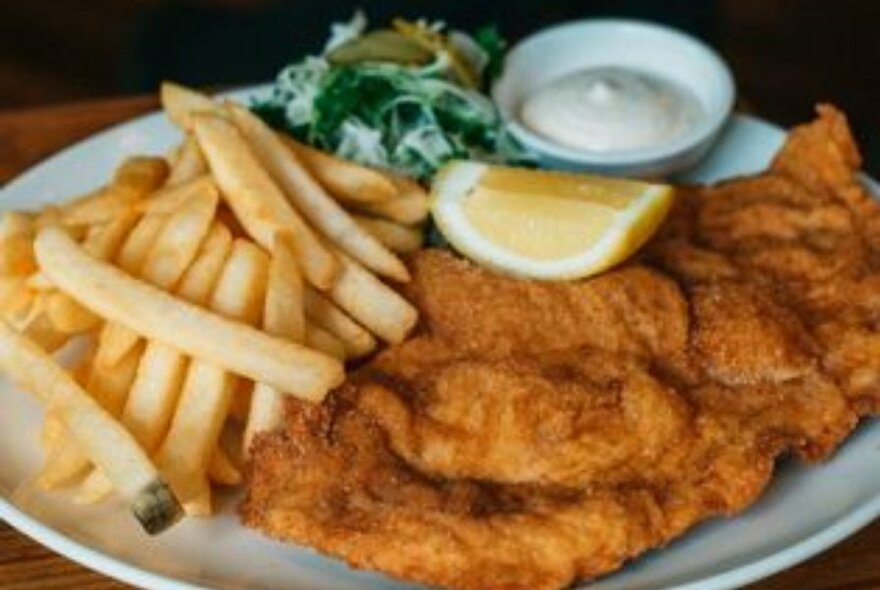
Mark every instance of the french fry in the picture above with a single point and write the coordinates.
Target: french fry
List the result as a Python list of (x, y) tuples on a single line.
[(101, 207), (102, 241), (37, 326), (172, 156), (402, 239), (135, 179), (321, 339), (202, 275), (94, 488), (376, 306), (325, 314), (410, 207), (109, 383), (178, 243), (17, 255), (256, 200), (16, 223), (284, 313), (160, 374), (181, 104), (104, 440), (284, 316), (173, 250), (16, 244), (347, 181), (241, 401), (153, 394), (12, 290), (189, 165), (221, 469), (185, 454), (312, 201), (138, 176), (155, 314), (137, 244), (68, 316), (108, 386), (172, 198)]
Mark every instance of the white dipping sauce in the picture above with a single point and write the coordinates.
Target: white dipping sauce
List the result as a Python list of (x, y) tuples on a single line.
[(611, 109)]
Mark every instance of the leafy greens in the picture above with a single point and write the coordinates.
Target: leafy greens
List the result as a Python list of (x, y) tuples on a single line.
[(407, 117)]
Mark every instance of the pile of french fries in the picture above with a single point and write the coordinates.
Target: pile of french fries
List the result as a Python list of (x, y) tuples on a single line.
[(202, 288)]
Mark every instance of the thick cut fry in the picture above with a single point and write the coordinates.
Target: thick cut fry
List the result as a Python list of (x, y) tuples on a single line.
[(284, 316), (16, 223), (208, 388), (16, 294), (134, 180), (63, 468), (410, 207), (103, 242), (346, 180), (241, 290), (285, 295), (160, 374), (11, 289), (104, 440), (256, 200), (221, 469), (326, 314), (68, 316), (139, 176), (17, 256), (190, 163), (403, 239), (137, 244), (312, 201), (373, 304), (172, 198), (173, 250), (95, 488), (321, 339), (181, 104), (149, 311), (241, 401), (102, 207), (37, 326), (16, 244), (108, 385), (154, 392), (198, 282), (178, 243)]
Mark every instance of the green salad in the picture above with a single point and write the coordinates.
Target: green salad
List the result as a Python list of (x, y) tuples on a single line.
[(406, 98)]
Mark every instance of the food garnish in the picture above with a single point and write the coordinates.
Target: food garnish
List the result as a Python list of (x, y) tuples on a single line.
[(407, 98), (547, 225)]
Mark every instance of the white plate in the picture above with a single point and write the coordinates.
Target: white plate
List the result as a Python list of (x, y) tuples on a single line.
[(804, 511)]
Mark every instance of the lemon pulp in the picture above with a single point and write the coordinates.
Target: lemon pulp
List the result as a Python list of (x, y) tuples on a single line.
[(545, 224)]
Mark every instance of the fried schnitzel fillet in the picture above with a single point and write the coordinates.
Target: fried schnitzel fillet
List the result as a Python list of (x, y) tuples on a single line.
[(532, 434)]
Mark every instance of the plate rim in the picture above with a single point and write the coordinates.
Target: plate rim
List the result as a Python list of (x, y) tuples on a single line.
[(125, 571)]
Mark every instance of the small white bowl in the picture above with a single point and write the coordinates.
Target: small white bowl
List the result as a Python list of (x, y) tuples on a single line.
[(655, 49)]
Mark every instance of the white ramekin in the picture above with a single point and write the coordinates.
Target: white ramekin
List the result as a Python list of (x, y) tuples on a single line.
[(651, 48)]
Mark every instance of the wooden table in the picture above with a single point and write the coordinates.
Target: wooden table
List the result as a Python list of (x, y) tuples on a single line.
[(29, 136)]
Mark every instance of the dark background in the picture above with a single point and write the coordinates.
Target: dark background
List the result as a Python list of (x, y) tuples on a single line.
[(786, 54)]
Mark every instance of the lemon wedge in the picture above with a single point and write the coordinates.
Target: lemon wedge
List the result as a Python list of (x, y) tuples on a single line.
[(545, 225)]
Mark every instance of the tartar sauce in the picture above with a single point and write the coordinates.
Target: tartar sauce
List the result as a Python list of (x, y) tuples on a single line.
[(609, 109)]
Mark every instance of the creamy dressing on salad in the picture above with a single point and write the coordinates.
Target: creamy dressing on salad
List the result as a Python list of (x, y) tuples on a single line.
[(610, 109)]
